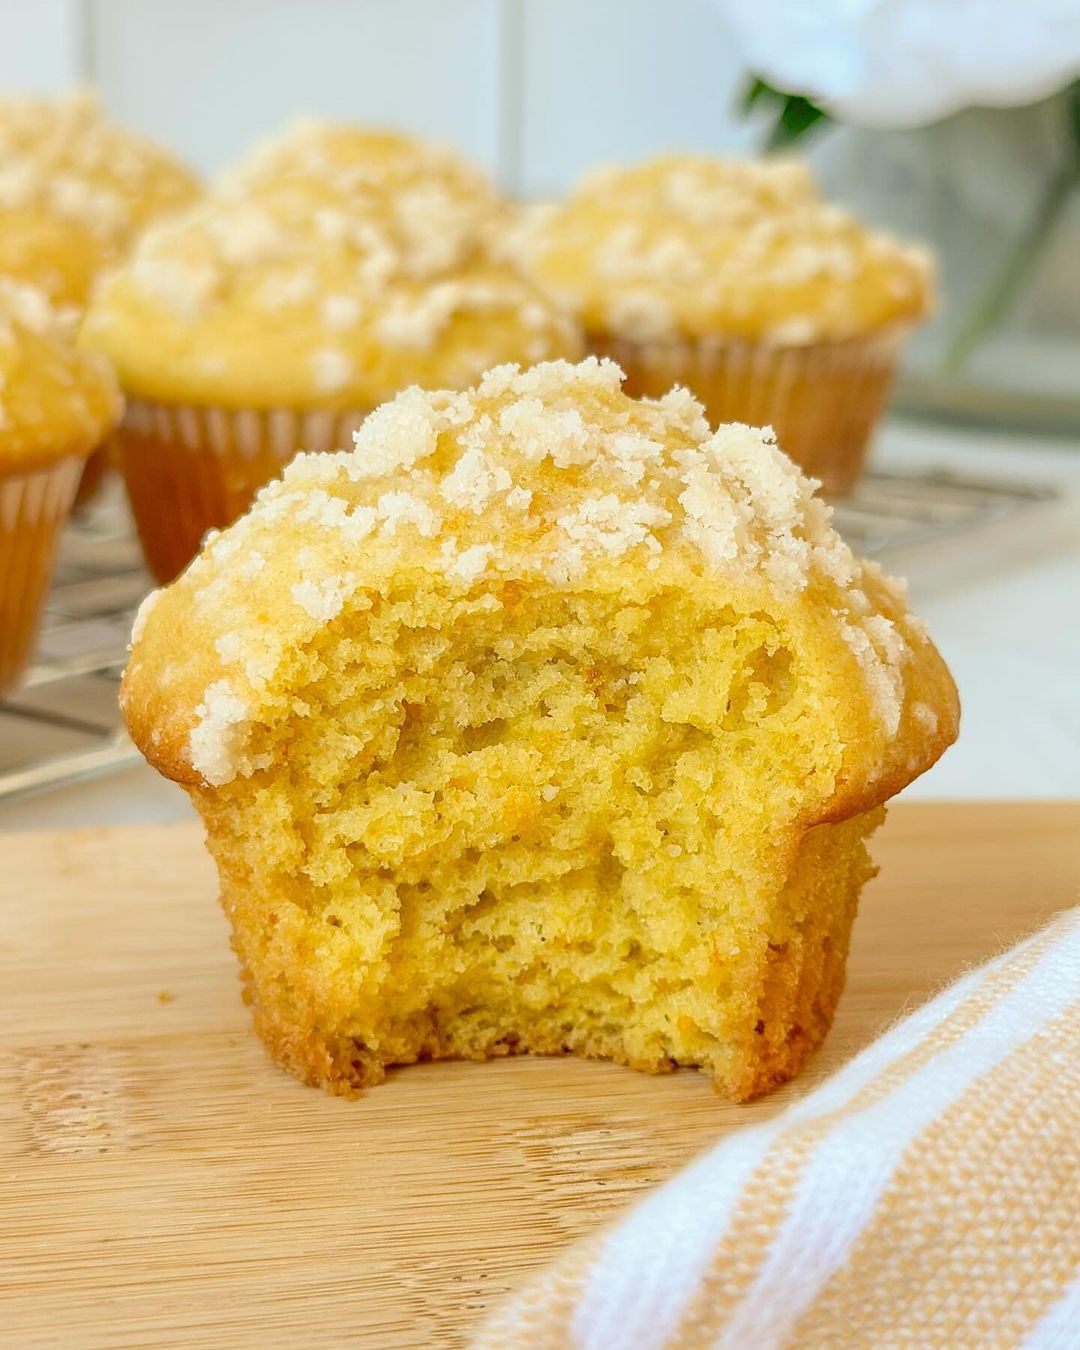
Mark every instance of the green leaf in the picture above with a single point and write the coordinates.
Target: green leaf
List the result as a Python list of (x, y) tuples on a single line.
[(792, 115), (797, 116)]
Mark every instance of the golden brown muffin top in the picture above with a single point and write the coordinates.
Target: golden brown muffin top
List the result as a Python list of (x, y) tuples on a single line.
[(301, 298), (696, 247), (54, 399), (433, 208), (551, 478), (75, 190)]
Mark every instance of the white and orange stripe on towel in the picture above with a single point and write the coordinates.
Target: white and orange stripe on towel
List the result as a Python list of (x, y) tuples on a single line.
[(928, 1195)]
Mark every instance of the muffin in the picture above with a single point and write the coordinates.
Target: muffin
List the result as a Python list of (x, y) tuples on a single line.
[(74, 192), (543, 720), (56, 405), (250, 328), (735, 279)]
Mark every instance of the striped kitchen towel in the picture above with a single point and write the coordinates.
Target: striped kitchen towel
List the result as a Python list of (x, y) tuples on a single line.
[(926, 1196)]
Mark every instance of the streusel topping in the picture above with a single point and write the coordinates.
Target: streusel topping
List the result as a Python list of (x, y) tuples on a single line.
[(256, 302), (689, 246), (548, 477), (61, 156)]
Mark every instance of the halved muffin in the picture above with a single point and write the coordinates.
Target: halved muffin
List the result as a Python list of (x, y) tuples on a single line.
[(544, 720)]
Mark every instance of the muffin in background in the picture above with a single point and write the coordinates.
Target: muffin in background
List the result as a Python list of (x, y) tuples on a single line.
[(57, 404), (544, 720), (75, 191), (251, 327), (404, 179), (736, 280)]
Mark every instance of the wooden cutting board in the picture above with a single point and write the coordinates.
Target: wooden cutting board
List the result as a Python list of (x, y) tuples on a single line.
[(161, 1184)]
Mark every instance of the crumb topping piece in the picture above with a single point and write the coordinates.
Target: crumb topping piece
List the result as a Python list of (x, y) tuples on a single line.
[(264, 256), (553, 467), (412, 207), (579, 470), (25, 306), (385, 208)]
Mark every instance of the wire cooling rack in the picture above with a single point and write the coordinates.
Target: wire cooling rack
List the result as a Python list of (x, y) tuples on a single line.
[(62, 724), (891, 511)]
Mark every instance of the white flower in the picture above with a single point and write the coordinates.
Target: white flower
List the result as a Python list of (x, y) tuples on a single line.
[(903, 63)]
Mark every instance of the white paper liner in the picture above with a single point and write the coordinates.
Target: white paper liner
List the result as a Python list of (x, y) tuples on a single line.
[(33, 508), (189, 469), (823, 399)]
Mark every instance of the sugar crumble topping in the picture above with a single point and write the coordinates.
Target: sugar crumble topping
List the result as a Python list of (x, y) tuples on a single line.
[(546, 472), (353, 268), (215, 744), (879, 648), (28, 306), (324, 599), (340, 311), (418, 319), (395, 208), (333, 369), (60, 155), (651, 245), (380, 243)]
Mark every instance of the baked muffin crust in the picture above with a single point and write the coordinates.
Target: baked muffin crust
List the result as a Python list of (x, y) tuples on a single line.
[(550, 475), (695, 247), (300, 299)]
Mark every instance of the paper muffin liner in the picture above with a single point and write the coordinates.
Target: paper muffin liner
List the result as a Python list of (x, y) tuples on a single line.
[(34, 505), (189, 469), (92, 477), (823, 399)]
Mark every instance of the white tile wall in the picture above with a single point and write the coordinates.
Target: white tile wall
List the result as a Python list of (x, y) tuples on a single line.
[(210, 76), (534, 90), (42, 44), (607, 80)]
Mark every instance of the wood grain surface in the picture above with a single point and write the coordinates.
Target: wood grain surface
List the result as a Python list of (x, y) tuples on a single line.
[(161, 1184)]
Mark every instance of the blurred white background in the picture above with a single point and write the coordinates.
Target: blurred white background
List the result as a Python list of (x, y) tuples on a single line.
[(534, 90)]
